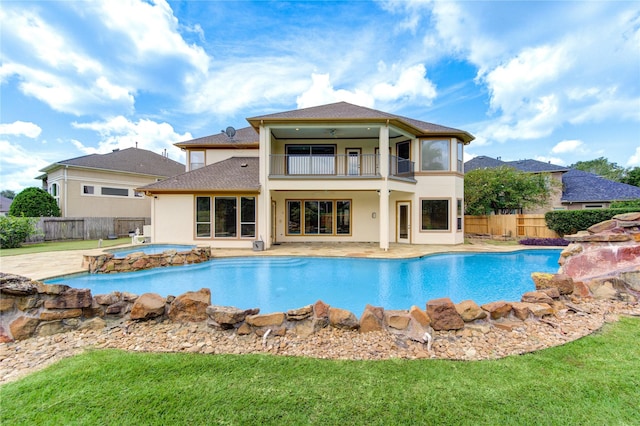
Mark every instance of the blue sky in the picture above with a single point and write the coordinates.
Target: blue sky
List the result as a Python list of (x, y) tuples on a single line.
[(553, 81)]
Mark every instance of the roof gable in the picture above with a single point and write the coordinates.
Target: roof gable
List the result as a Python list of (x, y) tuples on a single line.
[(130, 160), (246, 137)]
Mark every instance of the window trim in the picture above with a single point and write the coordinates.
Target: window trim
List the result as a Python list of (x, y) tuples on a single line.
[(334, 217), (449, 222), (447, 168), (459, 215), (196, 222), (238, 217), (204, 158)]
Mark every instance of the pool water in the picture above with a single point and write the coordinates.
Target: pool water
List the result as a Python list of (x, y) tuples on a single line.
[(149, 249), (276, 284)]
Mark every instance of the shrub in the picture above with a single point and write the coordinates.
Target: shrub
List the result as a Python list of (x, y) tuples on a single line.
[(544, 242), (34, 202), (632, 204), (15, 230), (566, 222)]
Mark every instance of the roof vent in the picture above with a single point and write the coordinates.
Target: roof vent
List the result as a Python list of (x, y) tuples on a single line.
[(243, 164), (116, 150)]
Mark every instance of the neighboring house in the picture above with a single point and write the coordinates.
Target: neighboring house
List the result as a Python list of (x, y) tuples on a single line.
[(104, 185), (5, 204), (338, 173), (579, 190)]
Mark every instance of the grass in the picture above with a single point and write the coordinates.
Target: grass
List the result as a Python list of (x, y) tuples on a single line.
[(595, 380), (62, 245)]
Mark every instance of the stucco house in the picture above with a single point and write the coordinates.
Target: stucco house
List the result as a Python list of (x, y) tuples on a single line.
[(331, 173), (579, 189), (104, 185)]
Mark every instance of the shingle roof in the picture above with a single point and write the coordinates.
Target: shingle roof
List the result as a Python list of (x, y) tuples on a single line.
[(344, 111), (131, 160), (5, 203), (482, 162), (535, 166), (234, 174), (581, 186), (246, 137)]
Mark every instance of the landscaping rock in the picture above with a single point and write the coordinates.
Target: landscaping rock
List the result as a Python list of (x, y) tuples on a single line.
[(470, 311), (23, 327), (226, 317), (536, 297), (444, 315), (398, 320), (71, 298), (147, 306), (341, 318), (497, 310), (320, 309), (15, 285), (370, 321), (300, 313), (420, 316), (266, 320), (190, 306)]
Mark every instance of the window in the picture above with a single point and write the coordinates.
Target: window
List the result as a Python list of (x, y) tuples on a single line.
[(320, 217), (311, 159), (435, 155), (54, 190), (196, 159), (120, 192), (460, 157), (203, 217), (435, 215), (228, 217), (459, 215), (248, 217), (87, 189), (403, 149), (593, 206)]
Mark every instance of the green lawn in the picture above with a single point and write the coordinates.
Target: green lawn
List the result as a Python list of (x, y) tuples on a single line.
[(62, 245), (595, 380)]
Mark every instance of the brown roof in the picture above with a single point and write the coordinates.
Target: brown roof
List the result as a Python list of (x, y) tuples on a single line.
[(247, 137), (237, 174), (130, 160), (345, 112)]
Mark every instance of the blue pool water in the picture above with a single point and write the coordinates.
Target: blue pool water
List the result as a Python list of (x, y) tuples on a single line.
[(276, 284), (149, 249)]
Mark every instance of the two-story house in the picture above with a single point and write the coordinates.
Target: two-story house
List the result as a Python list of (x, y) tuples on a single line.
[(337, 173), (104, 185)]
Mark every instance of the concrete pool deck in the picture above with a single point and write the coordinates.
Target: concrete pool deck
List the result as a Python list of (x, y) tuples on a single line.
[(40, 266)]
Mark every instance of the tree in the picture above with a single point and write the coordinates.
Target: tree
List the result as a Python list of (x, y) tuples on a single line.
[(7, 193), (632, 177), (601, 167), (15, 230), (504, 189), (34, 202)]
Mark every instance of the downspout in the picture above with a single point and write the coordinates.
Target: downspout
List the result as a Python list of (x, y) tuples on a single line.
[(66, 167)]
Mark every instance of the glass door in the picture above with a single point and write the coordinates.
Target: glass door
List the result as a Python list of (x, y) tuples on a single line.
[(403, 220)]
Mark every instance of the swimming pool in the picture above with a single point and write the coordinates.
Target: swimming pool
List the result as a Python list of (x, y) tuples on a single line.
[(149, 249), (276, 284)]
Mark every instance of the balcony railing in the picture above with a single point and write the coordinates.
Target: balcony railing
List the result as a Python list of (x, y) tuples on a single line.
[(339, 165)]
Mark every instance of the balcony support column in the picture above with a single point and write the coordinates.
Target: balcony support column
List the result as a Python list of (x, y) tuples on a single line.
[(384, 187)]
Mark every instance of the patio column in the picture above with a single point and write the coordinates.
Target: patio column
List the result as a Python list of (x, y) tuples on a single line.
[(384, 187), (264, 199)]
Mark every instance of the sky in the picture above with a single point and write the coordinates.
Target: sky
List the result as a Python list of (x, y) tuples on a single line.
[(555, 81)]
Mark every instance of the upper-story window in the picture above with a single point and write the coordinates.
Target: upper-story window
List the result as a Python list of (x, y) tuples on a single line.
[(54, 190), (196, 159), (460, 157), (435, 154)]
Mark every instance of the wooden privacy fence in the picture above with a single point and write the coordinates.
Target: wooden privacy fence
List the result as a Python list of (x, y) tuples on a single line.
[(509, 226), (86, 228)]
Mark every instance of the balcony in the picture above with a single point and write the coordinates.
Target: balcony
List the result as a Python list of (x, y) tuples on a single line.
[(337, 165)]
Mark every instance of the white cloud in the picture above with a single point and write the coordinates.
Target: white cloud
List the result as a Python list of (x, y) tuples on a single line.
[(21, 128), (550, 160), (412, 84), (119, 132), (634, 160), (322, 92), (568, 146), (20, 166)]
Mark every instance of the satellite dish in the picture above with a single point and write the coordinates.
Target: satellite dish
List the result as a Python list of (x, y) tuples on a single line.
[(230, 131)]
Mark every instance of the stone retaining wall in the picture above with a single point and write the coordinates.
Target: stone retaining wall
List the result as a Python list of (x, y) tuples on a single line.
[(108, 263), (602, 263)]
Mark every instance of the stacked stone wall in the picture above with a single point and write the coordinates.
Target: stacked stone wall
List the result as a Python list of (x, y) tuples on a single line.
[(107, 262)]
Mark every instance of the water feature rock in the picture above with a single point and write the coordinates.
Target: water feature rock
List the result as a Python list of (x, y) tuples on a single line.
[(398, 320), (71, 298), (190, 306), (60, 314), (6, 304), (420, 316), (106, 299), (536, 297), (341, 318), (444, 315), (632, 279), (563, 282), (147, 306), (320, 309), (93, 324), (497, 310), (370, 321), (300, 313), (23, 327), (15, 285), (266, 320), (226, 317), (4, 336), (470, 311)]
